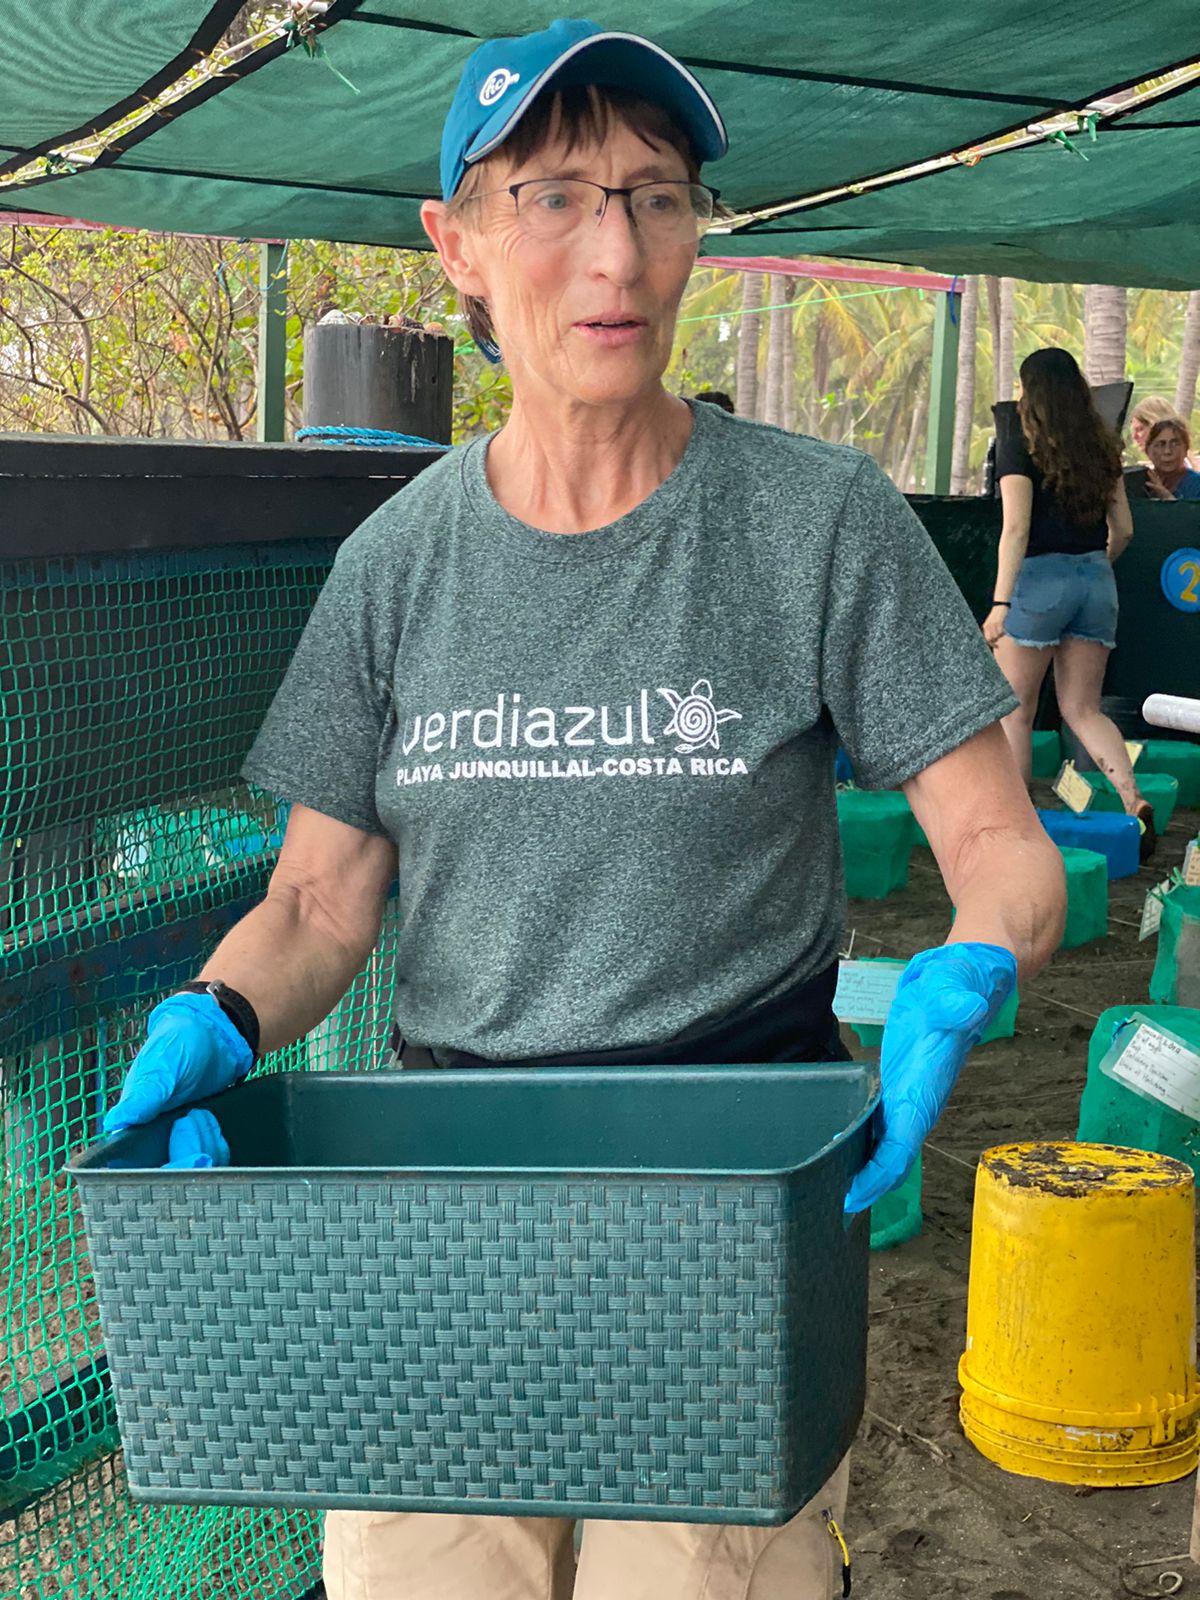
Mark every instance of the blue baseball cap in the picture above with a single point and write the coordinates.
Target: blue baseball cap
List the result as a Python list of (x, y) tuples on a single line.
[(503, 77)]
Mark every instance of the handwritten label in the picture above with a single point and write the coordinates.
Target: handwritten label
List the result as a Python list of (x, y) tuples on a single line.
[(1153, 909), (1158, 1066), (1133, 750), (1073, 789), (865, 990), (1191, 865)]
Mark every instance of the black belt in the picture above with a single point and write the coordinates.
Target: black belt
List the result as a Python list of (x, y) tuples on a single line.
[(797, 1025)]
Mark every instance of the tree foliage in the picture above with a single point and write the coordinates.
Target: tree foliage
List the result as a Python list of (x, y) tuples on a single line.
[(137, 333)]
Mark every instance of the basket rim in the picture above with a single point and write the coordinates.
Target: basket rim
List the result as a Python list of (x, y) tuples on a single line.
[(89, 1166)]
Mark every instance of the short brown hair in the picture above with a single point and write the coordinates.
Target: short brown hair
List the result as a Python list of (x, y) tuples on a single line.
[(578, 115), (1175, 423)]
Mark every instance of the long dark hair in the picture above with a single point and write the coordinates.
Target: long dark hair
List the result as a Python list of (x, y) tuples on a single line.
[(1078, 456)]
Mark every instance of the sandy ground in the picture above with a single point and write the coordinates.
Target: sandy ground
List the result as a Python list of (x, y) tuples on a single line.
[(928, 1516)]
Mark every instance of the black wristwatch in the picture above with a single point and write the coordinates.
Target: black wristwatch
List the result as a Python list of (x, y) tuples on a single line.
[(235, 1006)]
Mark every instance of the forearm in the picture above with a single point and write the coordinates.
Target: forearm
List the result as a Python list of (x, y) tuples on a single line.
[(1009, 889), (291, 967), (1013, 544)]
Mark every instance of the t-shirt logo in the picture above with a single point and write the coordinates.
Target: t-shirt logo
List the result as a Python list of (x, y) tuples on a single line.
[(696, 718), (495, 84)]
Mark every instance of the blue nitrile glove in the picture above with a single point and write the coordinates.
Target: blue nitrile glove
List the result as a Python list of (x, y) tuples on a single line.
[(197, 1141), (192, 1050), (944, 1000)]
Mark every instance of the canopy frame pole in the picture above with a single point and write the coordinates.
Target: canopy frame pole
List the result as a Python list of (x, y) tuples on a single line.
[(272, 342), (943, 379)]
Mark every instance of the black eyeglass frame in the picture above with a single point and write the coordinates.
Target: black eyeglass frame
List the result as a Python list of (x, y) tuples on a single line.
[(514, 189)]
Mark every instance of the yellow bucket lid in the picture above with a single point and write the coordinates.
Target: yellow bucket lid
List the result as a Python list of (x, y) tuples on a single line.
[(1070, 1170)]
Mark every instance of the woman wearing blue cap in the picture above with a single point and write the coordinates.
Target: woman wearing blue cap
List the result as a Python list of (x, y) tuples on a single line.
[(581, 684)]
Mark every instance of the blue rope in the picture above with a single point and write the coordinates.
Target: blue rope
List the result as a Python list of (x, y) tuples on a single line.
[(338, 434)]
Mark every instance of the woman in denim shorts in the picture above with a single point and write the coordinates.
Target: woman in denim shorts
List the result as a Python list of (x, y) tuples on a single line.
[(1066, 520)]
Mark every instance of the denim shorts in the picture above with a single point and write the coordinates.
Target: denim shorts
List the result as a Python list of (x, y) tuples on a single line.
[(1060, 597)]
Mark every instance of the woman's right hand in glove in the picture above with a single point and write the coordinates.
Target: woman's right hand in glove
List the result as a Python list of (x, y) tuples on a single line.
[(192, 1051)]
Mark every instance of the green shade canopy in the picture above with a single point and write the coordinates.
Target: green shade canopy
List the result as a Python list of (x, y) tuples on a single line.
[(345, 146), (1129, 213), (67, 65)]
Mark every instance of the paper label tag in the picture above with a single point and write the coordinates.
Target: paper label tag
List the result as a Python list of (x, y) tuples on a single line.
[(865, 991), (1158, 1066), (1133, 750), (1191, 865), (1152, 911), (1073, 789)]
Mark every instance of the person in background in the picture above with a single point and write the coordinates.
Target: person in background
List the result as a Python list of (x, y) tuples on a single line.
[(1169, 477), (1150, 409), (1153, 409), (716, 397), (1066, 520)]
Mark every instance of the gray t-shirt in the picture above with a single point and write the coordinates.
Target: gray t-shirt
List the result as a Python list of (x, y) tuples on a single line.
[(606, 758)]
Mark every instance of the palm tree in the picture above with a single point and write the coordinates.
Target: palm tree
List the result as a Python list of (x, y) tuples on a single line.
[(902, 474), (778, 349), (964, 390), (1105, 312), (787, 403), (747, 356), (1001, 302), (1189, 359)]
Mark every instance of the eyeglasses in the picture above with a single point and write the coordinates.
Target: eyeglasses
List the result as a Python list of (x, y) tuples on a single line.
[(666, 212)]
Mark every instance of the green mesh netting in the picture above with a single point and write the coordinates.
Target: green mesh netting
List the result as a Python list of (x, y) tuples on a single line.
[(1178, 757), (877, 831), (1159, 788), (1110, 1113), (1087, 896), (87, 1538), (130, 689), (1176, 977)]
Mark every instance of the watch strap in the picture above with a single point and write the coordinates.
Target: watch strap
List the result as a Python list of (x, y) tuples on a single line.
[(235, 1006)]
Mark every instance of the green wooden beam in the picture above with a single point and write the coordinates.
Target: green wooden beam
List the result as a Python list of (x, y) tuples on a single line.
[(943, 377), (272, 341)]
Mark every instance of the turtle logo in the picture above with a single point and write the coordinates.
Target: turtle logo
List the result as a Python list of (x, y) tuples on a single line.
[(696, 718), (495, 84)]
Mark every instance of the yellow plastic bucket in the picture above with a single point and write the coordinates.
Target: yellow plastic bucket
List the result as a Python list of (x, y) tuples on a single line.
[(1080, 1365)]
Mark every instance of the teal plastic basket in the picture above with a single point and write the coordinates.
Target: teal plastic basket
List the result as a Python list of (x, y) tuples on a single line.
[(614, 1292)]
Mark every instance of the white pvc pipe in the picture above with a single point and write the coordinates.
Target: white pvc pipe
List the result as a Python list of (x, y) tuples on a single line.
[(1172, 711)]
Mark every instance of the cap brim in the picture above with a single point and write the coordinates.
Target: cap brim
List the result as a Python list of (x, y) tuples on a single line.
[(624, 61)]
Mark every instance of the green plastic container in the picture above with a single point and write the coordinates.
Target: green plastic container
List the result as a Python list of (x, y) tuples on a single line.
[(1175, 980), (1002, 1026), (1109, 1113), (613, 1292), (877, 830), (1047, 752), (897, 1216), (1158, 787), (1179, 759), (1087, 896)]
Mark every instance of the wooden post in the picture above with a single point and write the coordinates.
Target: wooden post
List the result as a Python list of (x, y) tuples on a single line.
[(272, 341), (943, 377), (357, 374)]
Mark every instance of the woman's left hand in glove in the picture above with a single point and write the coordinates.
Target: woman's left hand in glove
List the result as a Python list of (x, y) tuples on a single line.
[(945, 999)]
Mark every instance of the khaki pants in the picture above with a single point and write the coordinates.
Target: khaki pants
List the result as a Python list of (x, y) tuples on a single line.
[(396, 1555)]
